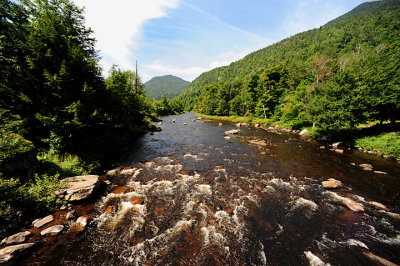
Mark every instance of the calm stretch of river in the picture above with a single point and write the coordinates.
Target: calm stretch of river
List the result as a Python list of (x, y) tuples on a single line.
[(194, 197)]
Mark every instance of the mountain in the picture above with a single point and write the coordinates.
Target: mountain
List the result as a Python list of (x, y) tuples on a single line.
[(338, 75), (368, 7), (169, 86)]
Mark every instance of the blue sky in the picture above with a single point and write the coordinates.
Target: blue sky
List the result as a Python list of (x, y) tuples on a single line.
[(187, 37)]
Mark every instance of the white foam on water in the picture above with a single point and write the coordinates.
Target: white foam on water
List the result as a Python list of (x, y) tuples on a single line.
[(314, 260), (261, 254), (301, 202), (165, 159), (354, 242), (269, 189), (280, 183), (156, 246), (334, 196), (203, 189), (169, 168), (391, 214), (211, 236)]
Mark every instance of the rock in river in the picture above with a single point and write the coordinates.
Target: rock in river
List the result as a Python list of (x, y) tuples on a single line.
[(232, 132), (332, 183), (366, 166), (16, 238), (40, 222), (79, 187), (52, 231), (352, 205), (6, 254)]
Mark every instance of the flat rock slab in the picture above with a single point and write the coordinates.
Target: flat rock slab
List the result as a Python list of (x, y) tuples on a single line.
[(16, 238), (52, 231), (40, 222), (79, 187), (366, 166), (332, 183), (352, 205), (6, 254)]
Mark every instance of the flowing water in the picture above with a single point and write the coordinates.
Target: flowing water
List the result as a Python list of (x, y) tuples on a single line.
[(190, 196)]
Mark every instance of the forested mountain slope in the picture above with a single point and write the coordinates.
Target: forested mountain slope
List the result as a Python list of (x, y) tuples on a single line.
[(338, 75), (168, 86)]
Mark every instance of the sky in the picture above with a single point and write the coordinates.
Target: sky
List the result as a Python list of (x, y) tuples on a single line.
[(188, 37)]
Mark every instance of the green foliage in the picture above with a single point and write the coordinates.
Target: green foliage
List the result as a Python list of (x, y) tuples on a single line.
[(386, 143), (64, 165), (168, 86), (168, 107), (338, 76)]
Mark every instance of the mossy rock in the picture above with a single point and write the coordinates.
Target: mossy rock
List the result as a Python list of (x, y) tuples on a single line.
[(17, 155)]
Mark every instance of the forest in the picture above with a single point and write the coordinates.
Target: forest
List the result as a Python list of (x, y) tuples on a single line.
[(59, 116), (338, 76)]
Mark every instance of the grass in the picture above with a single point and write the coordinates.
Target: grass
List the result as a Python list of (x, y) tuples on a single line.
[(385, 143), (20, 201)]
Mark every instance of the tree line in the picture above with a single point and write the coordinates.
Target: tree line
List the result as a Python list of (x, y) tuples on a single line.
[(338, 76)]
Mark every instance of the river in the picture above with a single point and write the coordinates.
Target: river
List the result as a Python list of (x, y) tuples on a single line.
[(194, 197)]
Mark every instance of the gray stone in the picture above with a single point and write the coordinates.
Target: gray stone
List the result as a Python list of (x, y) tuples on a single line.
[(7, 253), (70, 215), (336, 145), (366, 166), (16, 238), (53, 230), (232, 132), (303, 132), (79, 187), (40, 222)]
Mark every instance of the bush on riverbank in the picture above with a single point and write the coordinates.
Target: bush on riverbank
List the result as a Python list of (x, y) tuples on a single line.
[(386, 143)]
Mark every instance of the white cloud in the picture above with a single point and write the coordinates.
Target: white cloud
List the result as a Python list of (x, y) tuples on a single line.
[(117, 26)]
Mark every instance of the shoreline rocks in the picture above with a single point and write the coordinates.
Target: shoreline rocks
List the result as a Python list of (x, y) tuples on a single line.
[(79, 187)]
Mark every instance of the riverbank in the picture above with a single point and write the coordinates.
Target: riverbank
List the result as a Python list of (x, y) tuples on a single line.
[(382, 140)]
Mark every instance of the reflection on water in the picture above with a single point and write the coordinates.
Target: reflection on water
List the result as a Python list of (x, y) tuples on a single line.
[(192, 197)]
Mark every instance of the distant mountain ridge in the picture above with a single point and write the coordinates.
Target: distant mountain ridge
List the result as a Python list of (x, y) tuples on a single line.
[(169, 86), (368, 7)]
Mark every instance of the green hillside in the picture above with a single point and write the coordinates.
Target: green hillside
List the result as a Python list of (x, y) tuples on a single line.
[(168, 86), (339, 75)]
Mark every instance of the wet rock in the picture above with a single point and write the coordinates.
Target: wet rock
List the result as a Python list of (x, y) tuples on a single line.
[(16, 238), (232, 132), (109, 209), (79, 187), (113, 173), (244, 124), (391, 214), (53, 230), (378, 259), (70, 215), (336, 145), (313, 259), (137, 201), (199, 118), (378, 205), (84, 220), (380, 172), (122, 190), (40, 222), (322, 147), (332, 183), (6, 254), (339, 151), (128, 171), (194, 120), (304, 132), (257, 125), (352, 205), (366, 166), (238, 124), (220, 124), (160, 123)]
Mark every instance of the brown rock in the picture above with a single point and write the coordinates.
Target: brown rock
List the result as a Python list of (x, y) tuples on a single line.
[(332, 183), (378, 259), (70, 215), (366, 166), (53, 230), (352, 205), (122, 190), (16, 238), (378, 205), (109, 209), (137, 201), (40, 222)]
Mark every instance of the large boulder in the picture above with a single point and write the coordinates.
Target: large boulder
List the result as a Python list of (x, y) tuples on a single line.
[(6, 254), (53, 230), (79, 187)]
